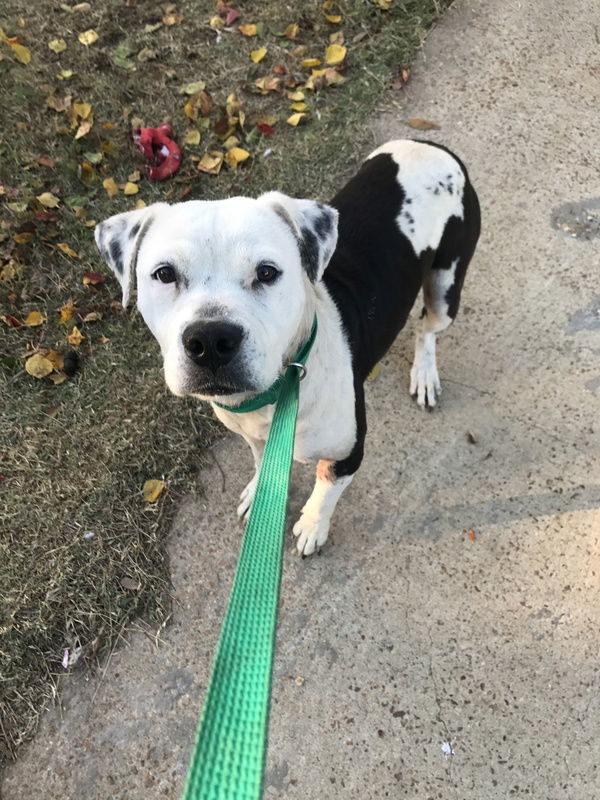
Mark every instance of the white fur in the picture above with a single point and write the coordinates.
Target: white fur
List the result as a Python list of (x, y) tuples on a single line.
[(312, 528)]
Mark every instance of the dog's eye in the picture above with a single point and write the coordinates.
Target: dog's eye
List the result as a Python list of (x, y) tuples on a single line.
[(266, 273), (165, 274)]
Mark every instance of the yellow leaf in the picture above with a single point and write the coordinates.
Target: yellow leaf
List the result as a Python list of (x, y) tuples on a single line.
[(231, 141), (216, 23), (335, 54), (84, 128), (58, 378), (299, 106), (88, 37), (76, 337), (82, 110), (333, 18), (56, 359), (103, 339), (248, 30), (192, 137), (291, 32), (34, 318), (65, 74), (48, 200), (294, 120), (23, 238), (135, 176), (236, 155), (211, 162), (22, 54), (152, 490), (258, 55), (38, 366), (266, 119), (111, 186), (140, 204), (310, 62), (372, 376), (296, 96), (68, 250), (57, 45), (93, 316), (131, 188), (66, 312)]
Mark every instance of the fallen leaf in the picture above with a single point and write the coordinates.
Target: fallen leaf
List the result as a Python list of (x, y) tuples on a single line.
[(146, 54), (103, 339), (299, 106), (46, 161), (131, 188), (93, 316), (38, 366), (65, 74), (268, 84), (236, 155), (384, 5), (295, 119), (94, 158), (374, 374), (121, 55), (265, 129), (296, 96), (216, 23), (337, 38), (93, 278), (199, 103), (152, 28), (422, 124), (152, 490), (335, 54), (11, 321), (401, 80), (291, 32), (82, 110), (56, 359), (130, 583), (68, 250), (248, 30), (57, 45), (266, 119), (472, 535), (88, 37), (34, 318), (23, 238), (231, 141), (75, 338), (81, 7), (111, 186), (192, 137), (48, 200), (67, 311), (57, 378), (310, 62), (21, 53), (258, 55), (211, 162), (193, 88), (171, 16), (333, 18), (232, 15), (135, 176)]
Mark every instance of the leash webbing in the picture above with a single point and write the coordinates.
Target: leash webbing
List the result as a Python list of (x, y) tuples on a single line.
[(229, 755)]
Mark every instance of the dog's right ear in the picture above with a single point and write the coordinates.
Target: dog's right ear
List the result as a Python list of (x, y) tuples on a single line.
[(118, 239)]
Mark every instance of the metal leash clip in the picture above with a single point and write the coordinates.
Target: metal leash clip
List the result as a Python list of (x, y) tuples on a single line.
[(301, 367)]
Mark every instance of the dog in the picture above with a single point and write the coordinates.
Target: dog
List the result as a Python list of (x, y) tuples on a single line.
[(230, 289)]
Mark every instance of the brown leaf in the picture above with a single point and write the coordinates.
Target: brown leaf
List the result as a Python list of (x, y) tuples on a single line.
[(75, 338), (46, 161), (67, 311), (11, 321), (403, 76), (68, 250), (93, 278), (422, 124)]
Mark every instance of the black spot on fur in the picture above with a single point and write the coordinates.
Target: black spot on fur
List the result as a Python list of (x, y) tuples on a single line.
[(323, 225), (116, 255), (423, 312), (309, 253), (134, 230)]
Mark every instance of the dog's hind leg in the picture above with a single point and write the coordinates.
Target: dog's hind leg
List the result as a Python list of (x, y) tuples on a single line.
[(442, 285), (333, 477)]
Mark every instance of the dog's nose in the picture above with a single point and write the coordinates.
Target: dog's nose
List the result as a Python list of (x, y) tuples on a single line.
[(212, 344)]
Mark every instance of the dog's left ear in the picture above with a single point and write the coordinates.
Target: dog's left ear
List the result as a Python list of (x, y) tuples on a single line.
[(313, 224), (118, 239)]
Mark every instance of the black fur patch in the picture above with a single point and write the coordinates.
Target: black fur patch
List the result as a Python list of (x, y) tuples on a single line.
[(309, 253), (323, 224), (116, 255), (134, 230)]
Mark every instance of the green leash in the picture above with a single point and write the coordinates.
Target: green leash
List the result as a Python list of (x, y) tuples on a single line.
[(229, 755)]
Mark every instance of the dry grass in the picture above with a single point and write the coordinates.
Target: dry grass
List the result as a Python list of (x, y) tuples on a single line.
[(80, 554)]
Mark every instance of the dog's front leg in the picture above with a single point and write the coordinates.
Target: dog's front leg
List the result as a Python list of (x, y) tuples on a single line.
[(247, 496), (333, 477)]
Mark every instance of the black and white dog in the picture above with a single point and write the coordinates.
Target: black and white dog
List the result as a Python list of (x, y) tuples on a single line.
[(230, 289)]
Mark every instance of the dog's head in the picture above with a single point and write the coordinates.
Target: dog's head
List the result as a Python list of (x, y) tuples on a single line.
[(222, 285)]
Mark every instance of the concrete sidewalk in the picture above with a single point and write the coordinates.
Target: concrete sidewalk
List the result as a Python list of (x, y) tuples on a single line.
[(417, 661)]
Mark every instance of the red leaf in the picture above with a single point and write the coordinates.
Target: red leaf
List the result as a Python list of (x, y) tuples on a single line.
[(279, 70), (232, 15), (93, 278), (265, 129), (11, 321), (46, 216)]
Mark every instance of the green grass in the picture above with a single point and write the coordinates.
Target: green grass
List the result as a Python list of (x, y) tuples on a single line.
[(81, 554)]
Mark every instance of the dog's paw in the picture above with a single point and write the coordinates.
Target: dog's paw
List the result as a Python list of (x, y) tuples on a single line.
[(311, 534), (425, 381), (246, 498)]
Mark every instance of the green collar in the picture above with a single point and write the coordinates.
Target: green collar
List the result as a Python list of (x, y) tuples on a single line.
[(270, 395)]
